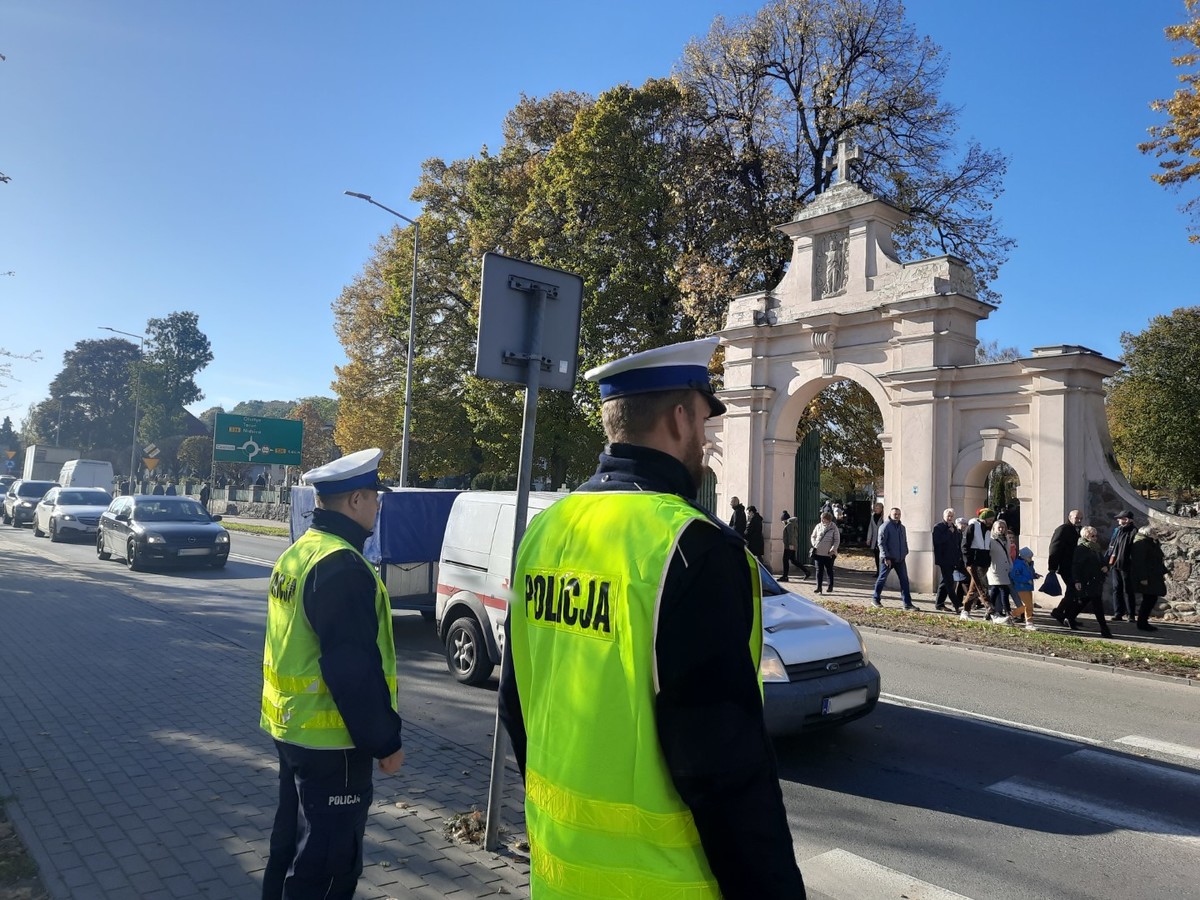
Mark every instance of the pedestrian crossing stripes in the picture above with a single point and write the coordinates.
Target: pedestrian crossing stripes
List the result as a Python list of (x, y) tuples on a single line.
[(843, 876), (1145, 743), (1092, 784)]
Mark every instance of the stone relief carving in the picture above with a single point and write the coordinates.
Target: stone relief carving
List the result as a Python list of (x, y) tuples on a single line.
[(831, 269)]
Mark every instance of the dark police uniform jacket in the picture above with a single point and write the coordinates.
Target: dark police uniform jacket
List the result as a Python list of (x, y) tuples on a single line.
[(339, 600), (709, 709)]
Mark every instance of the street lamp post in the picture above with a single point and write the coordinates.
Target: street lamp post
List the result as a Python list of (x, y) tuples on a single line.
[(137, 390), (412, 332)]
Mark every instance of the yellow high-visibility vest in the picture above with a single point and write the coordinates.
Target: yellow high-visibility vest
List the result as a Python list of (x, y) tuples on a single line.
[(296, 704), (602, 814)]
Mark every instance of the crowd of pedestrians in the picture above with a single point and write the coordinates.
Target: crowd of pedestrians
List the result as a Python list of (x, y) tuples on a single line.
[(982, 566)]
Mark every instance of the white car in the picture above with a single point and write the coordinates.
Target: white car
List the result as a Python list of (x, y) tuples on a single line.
[(67, 512), (815, 669)]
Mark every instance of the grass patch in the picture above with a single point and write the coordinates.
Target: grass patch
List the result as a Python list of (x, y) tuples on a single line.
[(944, 627), (268, 530), (18, 872)]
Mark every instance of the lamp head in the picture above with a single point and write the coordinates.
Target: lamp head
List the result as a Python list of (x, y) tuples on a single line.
[(366, 197)]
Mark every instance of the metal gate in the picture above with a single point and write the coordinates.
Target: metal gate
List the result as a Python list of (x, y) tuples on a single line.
[(808, 488), (707, 495)]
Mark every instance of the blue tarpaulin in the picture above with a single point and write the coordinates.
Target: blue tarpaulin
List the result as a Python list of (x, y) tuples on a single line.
[(410, 527), (412, 523)]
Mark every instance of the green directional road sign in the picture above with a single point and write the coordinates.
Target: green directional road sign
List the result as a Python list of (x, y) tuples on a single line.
[(250, 439)]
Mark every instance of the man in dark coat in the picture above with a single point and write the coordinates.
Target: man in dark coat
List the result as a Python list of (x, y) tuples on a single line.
[(947, 556), (1147, 574), (1118, 561), (738, 520), (1062, 553), (754, 533)]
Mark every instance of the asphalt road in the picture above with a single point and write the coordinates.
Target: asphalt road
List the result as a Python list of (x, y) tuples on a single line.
[(981, 775)]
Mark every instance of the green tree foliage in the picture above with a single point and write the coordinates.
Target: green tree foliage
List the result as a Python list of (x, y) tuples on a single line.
[(265, 409), (176, 351), (316, 445), (194, 455), (1152, 403), (1176, 143), (91, 398), (785, 85), (662, 198), (849, 423), (9, 440)]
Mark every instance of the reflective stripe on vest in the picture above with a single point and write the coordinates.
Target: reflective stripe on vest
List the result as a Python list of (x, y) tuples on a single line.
[(603, 816), (296, 704)]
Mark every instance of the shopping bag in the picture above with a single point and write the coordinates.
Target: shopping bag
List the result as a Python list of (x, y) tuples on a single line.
[(1050, 585)]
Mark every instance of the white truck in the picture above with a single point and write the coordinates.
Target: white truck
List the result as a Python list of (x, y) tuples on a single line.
[(43, 463)]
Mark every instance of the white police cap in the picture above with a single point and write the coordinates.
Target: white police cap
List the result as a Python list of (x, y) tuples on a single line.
[(352, 472), (671, 368)]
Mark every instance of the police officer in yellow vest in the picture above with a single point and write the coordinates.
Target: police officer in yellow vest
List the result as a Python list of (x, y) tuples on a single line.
[(329, 687), (633, 699)]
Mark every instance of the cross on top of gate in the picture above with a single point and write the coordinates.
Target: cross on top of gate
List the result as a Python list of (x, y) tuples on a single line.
[(845, 153)]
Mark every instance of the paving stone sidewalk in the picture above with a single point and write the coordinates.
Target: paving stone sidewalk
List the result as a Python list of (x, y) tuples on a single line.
[(131, 762)]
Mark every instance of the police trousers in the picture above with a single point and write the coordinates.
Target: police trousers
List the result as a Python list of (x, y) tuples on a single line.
[(317, 841)]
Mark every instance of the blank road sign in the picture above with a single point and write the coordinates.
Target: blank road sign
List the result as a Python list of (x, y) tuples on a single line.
[(506, 304)]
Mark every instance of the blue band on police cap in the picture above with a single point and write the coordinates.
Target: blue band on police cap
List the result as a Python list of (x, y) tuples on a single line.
[(655, 378), (344, 485)]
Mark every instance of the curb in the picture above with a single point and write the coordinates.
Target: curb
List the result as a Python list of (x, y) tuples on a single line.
[(1026, 654)]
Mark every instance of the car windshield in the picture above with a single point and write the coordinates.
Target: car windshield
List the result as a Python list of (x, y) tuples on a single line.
[(770, 587), (83, 498), (34, 488), (161, 509)]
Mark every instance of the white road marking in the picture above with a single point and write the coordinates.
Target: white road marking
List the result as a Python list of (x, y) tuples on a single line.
[(844, 876), (251, 559), (1145, 743), (990, 720), (1124, 768), (1118, 816)]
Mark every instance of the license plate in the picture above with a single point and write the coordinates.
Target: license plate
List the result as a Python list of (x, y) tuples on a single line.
[(844, 701), (195, 551)]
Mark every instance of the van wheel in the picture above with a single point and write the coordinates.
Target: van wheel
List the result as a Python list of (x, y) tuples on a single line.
[(100, 551), (466, 654)]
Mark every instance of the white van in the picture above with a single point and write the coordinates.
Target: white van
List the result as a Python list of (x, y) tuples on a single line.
[(473, 579), (97, 473), (815, 668)]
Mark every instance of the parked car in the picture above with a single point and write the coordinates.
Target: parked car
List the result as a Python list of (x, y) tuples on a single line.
[(5, 482), (21, 499), (147, 529), (67, 512)]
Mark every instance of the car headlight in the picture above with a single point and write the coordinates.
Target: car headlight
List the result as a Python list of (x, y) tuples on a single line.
[(27, 504), (772, 668), (66, 517), (152, 538), (862, 645), (223, 538)]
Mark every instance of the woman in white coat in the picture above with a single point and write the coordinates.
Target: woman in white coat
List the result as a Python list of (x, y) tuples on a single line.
[(999, 579)]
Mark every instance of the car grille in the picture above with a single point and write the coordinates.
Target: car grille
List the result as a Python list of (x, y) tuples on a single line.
[(819, 668), (184, 543), (89, 520)]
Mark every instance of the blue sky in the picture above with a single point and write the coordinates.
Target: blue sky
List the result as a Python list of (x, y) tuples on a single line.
[(192, 156)]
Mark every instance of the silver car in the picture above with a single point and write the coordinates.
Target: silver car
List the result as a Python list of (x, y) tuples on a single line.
[(69, 512)]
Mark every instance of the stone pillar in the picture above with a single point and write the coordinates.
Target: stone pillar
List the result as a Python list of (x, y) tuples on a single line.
[(779, 493)]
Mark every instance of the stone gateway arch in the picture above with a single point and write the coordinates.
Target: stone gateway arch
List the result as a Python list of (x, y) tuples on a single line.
[(906, 332)]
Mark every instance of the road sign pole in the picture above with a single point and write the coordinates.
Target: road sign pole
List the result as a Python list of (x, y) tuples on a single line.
[(533, 376)]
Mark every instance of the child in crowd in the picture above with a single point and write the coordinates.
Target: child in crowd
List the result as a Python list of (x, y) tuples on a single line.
[(1022, 576)]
